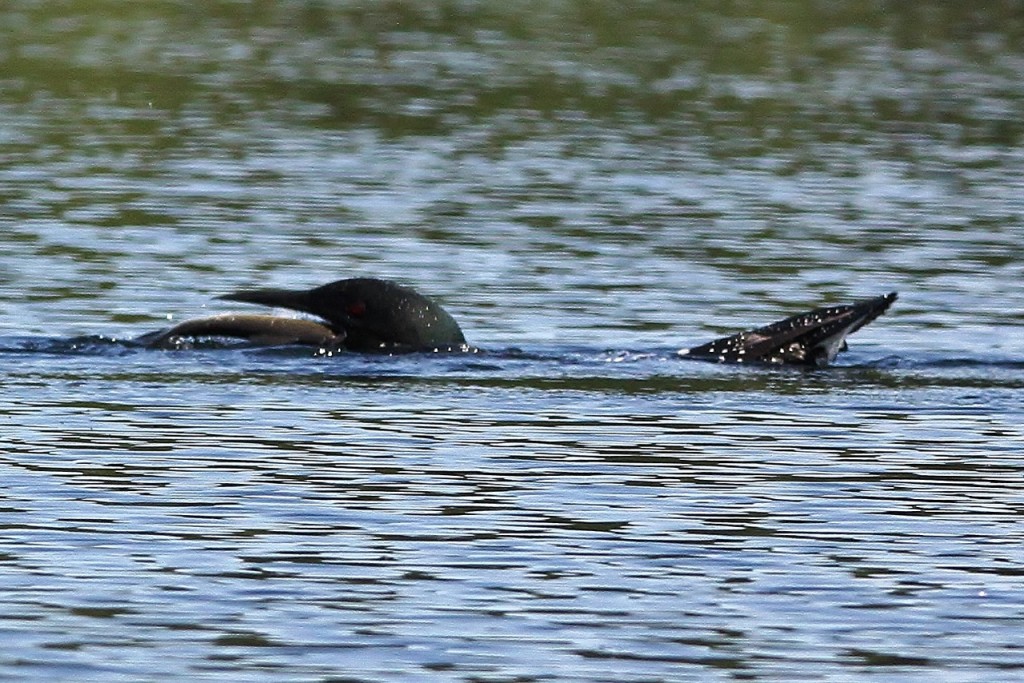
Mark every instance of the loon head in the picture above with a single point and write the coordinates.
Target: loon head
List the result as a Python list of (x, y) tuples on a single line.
[(373, 314)]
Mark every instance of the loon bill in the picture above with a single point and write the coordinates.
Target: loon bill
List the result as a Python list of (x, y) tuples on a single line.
[(813, 338)]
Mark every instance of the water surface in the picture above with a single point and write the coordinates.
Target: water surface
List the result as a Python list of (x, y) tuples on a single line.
[(587, 188)]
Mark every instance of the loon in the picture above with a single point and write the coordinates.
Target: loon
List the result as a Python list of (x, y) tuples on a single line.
[(358, 314), (373, 315), (813, 338)]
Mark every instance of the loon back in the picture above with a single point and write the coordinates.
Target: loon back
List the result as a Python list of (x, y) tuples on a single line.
[(813, 338)]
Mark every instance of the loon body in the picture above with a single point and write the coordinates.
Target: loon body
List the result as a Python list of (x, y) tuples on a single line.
[(813, 338), (374, 315)]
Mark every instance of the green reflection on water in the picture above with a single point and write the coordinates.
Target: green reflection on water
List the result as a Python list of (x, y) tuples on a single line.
[(759, 71)]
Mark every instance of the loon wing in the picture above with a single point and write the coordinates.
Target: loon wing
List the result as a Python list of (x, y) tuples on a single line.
[(812, 338)]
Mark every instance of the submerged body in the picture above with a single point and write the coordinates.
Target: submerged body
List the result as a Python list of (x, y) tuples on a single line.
[(374, 315), (813, 338)]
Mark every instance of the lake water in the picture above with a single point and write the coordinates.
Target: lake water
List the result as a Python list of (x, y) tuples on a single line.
[(587, 187)]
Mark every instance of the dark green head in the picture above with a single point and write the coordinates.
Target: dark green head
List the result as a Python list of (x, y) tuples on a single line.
[(374, 314)]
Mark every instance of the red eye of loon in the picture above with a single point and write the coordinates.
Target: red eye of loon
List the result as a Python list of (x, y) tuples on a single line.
[(356, 309)]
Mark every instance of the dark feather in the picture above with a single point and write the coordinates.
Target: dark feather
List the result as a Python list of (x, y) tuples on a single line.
[(811, 338)]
